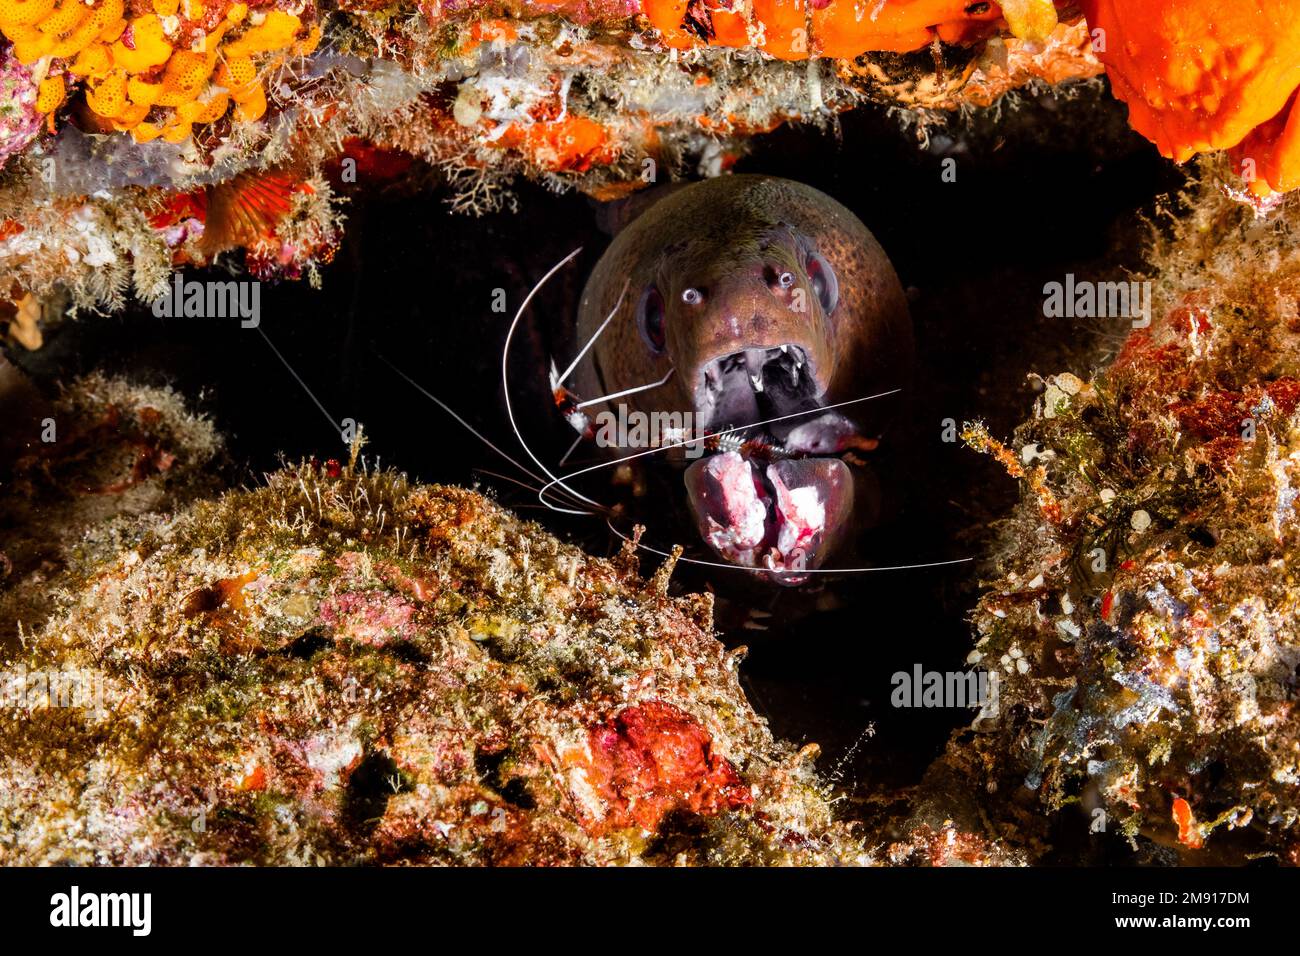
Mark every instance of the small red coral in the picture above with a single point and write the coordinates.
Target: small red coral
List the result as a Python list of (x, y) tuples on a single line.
[(1224, 413), (651, 759)]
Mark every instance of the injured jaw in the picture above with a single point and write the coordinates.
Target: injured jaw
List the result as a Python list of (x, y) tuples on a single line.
[(781, 516)]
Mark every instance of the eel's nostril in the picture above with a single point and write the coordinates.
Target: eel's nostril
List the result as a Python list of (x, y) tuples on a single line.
[(778, 279)]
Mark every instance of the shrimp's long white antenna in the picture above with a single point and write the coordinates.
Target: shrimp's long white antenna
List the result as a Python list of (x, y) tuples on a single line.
[(565, 457), (298, 379), (799, 571), (513, 481), (474, 431), (626, 391), (595, 335), (692, 441), (510, 412)]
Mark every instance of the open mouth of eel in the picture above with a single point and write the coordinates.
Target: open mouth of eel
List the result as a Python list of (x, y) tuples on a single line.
[(772, 496)]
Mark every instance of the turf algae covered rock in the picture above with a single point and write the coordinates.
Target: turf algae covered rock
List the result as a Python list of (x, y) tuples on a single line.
[(1141, 612), (338, 667)]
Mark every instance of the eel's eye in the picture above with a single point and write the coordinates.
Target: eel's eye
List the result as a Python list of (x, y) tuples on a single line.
[(824, 284), (692, 296), (785, 280), (650, 319)]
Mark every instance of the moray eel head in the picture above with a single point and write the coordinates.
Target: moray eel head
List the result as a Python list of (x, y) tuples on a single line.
[(749, 330), (768, 302)]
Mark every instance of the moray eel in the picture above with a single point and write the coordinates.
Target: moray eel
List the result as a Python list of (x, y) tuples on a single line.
[(763, 298)]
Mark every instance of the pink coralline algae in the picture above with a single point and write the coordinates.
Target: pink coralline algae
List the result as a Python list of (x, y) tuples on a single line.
[(369, 617), (19, 121)]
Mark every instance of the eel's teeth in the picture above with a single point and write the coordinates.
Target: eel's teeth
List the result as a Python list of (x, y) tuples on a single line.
[(713, 377), (754, 359)]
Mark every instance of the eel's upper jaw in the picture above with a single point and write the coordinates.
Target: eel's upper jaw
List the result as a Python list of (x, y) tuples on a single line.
[(784, 516), (759, 384), (753, 384)]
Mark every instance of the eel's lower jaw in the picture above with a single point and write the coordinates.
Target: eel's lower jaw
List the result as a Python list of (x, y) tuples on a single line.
[(784, 516)]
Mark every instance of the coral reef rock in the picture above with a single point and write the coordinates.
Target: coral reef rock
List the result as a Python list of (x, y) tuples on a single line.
[(1141, 616), (338, 667), (138, 138)]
